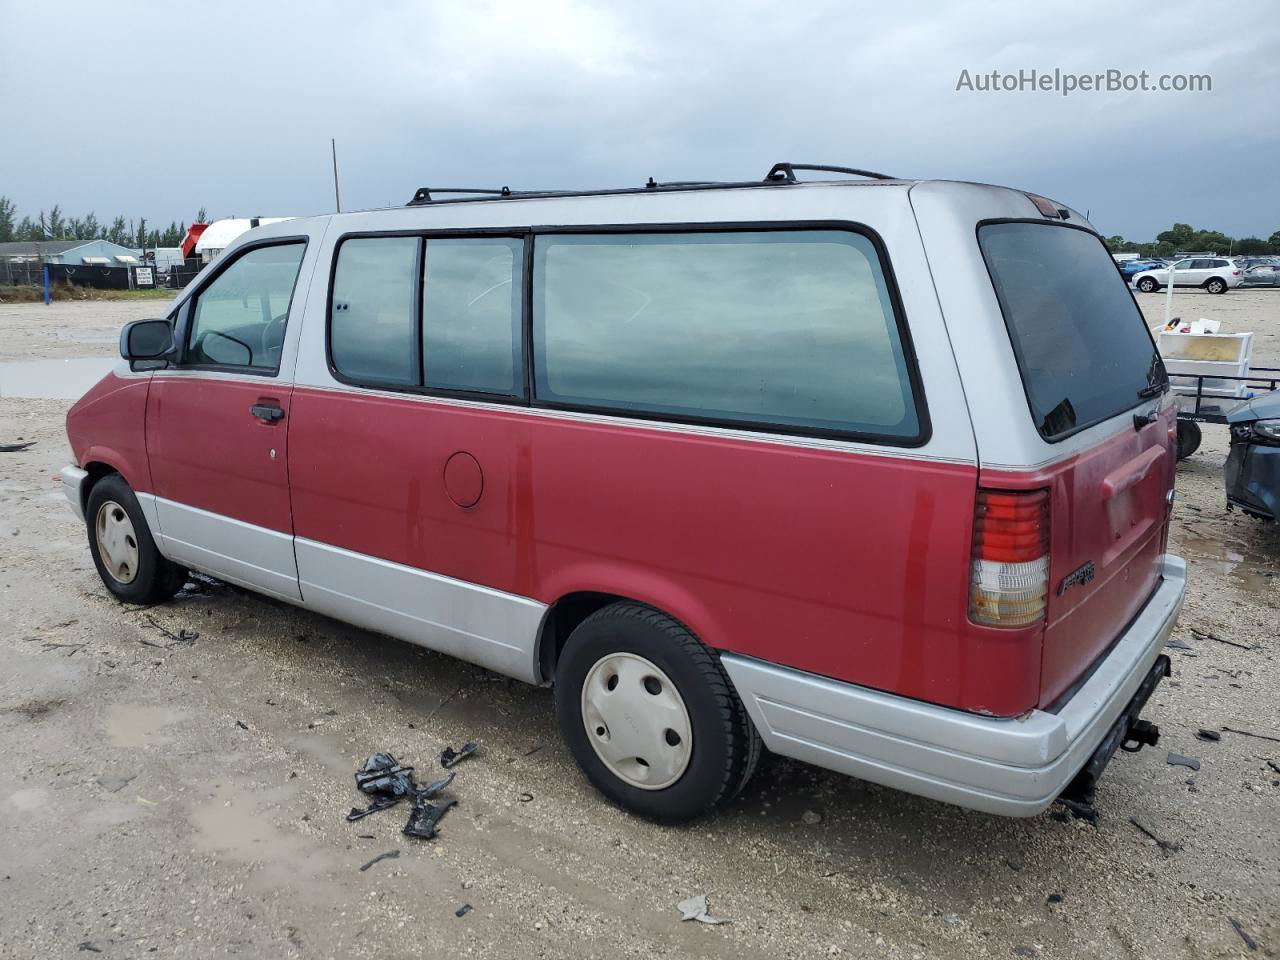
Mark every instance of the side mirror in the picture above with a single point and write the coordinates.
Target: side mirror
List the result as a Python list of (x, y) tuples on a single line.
[(146, 340)]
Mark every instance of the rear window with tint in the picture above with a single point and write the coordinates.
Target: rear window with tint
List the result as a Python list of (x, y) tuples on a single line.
[(1082, 346), (785, 329)]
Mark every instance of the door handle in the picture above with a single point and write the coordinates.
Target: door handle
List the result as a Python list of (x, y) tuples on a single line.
[(267, 412)]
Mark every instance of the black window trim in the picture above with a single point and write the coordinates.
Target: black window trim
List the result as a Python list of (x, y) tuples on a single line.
[(186, 311), (519, 398), (527, 397), (1013, 343)]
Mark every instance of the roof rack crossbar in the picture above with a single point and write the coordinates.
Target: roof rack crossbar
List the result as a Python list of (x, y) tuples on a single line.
[(423, 194), (786, 172)]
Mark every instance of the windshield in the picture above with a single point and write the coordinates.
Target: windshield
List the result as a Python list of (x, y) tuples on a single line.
[(1083, 349)]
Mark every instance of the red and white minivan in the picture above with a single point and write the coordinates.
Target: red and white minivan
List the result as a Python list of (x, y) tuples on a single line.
[(873, 473)]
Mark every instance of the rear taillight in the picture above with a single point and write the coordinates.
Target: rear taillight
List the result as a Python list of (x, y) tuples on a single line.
[(1009, 572)]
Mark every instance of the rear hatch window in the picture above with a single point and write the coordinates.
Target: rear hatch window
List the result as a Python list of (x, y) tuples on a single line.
[(1082, 347)]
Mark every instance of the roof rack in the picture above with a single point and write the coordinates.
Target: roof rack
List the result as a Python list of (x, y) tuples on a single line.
[(423, 194), (780, 174), (786, 172)]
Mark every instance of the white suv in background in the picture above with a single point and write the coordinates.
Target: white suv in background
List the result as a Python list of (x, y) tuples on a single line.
[(1215, 274)]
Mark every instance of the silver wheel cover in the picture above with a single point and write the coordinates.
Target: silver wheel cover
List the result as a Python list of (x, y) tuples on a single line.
[(117, 542), (636, 721)]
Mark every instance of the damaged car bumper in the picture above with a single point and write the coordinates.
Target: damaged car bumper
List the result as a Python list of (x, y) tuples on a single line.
[(1013, 767), (73, 479), (1252, 477)]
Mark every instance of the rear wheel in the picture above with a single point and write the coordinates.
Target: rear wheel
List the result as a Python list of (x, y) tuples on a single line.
[(650, 716), (1188, 438), (122, 547), (1216, 285), (1148, 285)]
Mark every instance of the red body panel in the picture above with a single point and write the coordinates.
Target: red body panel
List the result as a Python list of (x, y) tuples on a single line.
[(107, 425), (208, 451), (847, 565), (1109, 508)]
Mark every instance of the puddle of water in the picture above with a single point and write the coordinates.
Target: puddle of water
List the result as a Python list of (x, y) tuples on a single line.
[(244, 826), (1251, 571), (53, 379), (133, 725)]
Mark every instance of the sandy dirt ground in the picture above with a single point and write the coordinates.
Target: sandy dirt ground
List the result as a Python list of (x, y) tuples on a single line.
[(183, 794)]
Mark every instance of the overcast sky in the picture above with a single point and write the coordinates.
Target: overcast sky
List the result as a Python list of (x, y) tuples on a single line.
[(159, 109)]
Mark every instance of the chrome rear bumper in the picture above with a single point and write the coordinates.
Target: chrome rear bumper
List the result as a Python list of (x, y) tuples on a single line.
[(1014, 767)]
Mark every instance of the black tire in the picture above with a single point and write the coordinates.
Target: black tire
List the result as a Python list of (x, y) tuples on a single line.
[(1189, 438), (1148, 285), (155, 578), (1216, 285), (725, 746)]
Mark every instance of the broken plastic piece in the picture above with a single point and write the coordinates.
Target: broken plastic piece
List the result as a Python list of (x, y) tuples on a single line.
[(450, 756), (389, 855), (16, 447), (382, 774), (1178, 760), (389, 782), (695, 908), (425, 816), (1249, 942), (382, 803)]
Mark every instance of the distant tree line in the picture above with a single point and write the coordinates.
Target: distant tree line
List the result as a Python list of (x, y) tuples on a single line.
[(55, 225), (1183, 236)]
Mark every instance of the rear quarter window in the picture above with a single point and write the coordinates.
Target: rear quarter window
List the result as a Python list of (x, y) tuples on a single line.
[(1082, 346), (791, 330)]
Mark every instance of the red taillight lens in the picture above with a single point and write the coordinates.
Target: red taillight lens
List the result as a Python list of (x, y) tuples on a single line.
[(1009, 570)]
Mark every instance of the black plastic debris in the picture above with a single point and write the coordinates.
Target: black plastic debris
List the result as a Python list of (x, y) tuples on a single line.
[(1212, 736), (388, 782), (389, 855), (1178, 760), (463, 910), (382, 803), (424, 817), (381, 774), (17, 448), (1249, 942), (450, 756)]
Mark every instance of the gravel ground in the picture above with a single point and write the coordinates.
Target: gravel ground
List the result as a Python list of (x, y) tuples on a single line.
[(186, 798)]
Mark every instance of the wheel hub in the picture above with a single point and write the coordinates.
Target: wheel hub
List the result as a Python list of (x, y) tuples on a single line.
[(117, 542), (636, 721)]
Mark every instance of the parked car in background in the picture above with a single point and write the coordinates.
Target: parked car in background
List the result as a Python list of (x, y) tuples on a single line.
[(934, 555), (1131, 268), (1253, 465), (1214, 274), (1261, 275)]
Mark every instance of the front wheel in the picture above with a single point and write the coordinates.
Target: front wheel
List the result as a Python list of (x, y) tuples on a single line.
[(650, 715), (122, 547), (1148, 285), (1216, 285)]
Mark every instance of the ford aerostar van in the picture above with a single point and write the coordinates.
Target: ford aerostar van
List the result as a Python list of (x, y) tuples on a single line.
[(873, 473)]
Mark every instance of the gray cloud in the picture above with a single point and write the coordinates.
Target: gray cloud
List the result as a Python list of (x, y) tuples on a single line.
[(156, 110)]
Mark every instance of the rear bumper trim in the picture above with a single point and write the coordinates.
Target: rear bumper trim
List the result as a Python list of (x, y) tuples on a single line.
[(1014, 767)]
